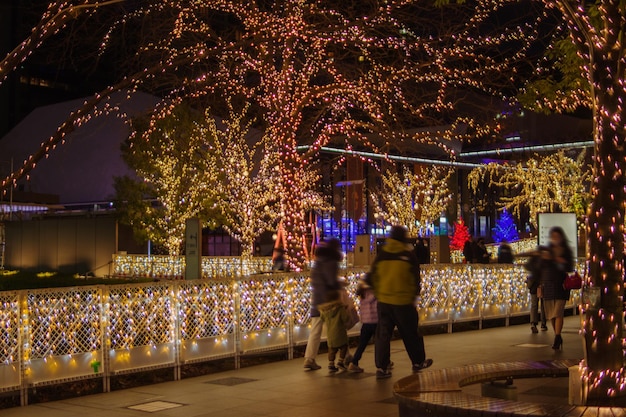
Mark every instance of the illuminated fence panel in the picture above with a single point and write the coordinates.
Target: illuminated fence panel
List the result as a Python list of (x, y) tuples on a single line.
[(518, 293), (435, 296), (64, 334), (9, 341), (464, 292), (173, 267), (55, 335), (141, 326), (300, 287), (206, 319), (223, 267), (263, 313)]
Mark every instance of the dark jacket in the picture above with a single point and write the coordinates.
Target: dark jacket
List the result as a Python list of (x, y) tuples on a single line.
[(533, 266), (505, 254), (468, 251), (324, 276), (395, 274), (553, 275)]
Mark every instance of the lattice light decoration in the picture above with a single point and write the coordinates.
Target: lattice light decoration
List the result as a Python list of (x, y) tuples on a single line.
[(9, 328), (206, 310), (140, 315)]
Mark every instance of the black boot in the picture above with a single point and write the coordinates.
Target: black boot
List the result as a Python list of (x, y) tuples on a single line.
[(558, 342)]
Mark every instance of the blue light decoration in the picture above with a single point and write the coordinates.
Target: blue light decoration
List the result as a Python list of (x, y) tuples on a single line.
[(505, 230), (346, 232)]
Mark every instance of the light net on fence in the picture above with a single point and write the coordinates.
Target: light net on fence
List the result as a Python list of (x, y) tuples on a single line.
[(207, 309), (9, 328), (264, 304), (140, 315), (64, 322)]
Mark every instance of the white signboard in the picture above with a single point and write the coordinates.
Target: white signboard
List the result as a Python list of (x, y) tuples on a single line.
[(566, 221)]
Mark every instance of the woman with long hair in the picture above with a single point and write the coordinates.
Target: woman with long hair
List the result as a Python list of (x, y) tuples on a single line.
[(556, 261)]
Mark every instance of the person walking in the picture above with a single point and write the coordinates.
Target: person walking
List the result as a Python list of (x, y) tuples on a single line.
[(395, 278), (324, 278), (334, 315), (556, 261), (505, 253), (537, 308), (369, 321)]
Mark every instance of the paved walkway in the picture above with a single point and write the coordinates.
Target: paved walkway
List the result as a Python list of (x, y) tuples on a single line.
[(285, 389)]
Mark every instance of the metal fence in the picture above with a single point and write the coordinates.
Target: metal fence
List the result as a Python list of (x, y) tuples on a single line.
[(63, 334)]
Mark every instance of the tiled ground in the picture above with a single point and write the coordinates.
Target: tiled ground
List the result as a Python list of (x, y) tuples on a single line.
[(285, 389)]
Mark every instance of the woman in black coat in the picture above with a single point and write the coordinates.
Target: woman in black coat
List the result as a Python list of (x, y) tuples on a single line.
[(556, 261)]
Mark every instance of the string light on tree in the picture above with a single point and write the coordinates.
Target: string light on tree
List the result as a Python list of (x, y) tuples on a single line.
[(414, 200)]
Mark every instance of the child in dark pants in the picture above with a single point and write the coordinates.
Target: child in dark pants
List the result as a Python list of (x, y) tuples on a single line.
[(369, 321), (335, 316)]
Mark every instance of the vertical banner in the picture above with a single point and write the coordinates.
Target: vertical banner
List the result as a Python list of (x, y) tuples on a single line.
[(567, 221), (354, 189), (193, 249)]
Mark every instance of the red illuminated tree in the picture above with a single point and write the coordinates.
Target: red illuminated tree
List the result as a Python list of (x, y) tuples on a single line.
[(460, 236)]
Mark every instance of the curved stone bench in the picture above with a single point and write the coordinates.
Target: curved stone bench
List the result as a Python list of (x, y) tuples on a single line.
[(438, 393)]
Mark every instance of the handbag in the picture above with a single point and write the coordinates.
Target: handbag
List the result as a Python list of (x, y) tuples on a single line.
[(352, 311), (573, 281)]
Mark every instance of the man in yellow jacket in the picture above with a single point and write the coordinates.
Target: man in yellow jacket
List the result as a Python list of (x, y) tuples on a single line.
[(395, 278)]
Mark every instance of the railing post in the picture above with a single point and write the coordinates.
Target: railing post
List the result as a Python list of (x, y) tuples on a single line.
[(23, 345), (290, 319), (237, 324), (176, 307), (106, 339)]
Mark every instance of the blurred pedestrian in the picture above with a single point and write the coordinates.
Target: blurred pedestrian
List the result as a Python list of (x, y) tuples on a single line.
[(324, 278), (395, 278)]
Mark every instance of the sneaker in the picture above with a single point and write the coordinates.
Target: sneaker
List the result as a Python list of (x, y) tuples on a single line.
[(390, 366), (426, 364), (341, 366), (533, 329), (383, 374), (311, 365), (355, 368), (544, 327), (332, 368)]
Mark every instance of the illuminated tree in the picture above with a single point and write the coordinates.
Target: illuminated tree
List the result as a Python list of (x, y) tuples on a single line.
[(368, 74), (175, 178), (250, 181), (505, 230), (413, 200), (540, 184), (460, 236), (55, 18)]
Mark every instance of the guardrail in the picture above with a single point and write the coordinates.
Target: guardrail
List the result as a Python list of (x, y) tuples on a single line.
[(58, 335)]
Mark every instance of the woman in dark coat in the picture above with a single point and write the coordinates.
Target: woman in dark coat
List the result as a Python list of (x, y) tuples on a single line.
[(556, 261), (324, 279)]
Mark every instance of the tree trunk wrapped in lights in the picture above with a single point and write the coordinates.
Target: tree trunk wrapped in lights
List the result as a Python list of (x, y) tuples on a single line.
[(598, 34)]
